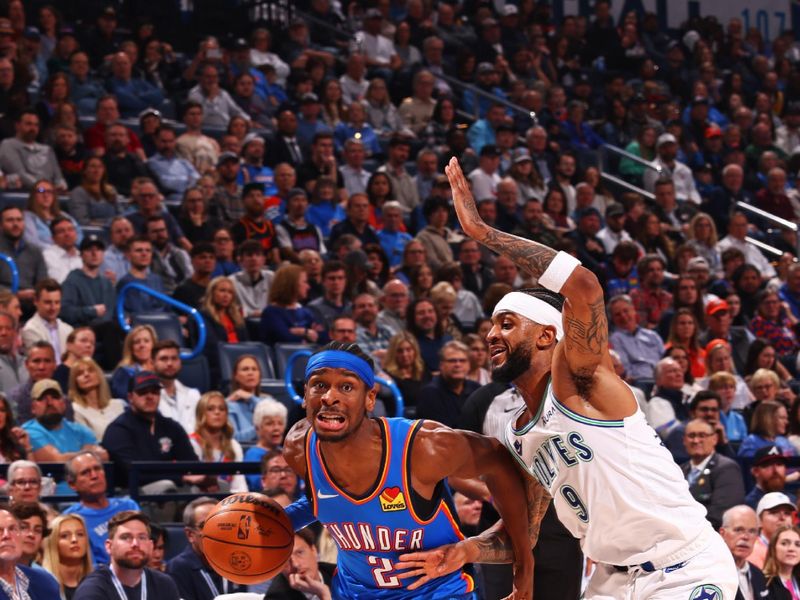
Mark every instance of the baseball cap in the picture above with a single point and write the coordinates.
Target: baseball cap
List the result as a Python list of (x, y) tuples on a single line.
[(109, 12), (373, 13), (92, 241), (253, 185), (615, 209), (227, 156), (5, 27), (485, 67), (716, 342), (773, 500), (252, 137), (768, 454), (716, 306), (588, 211), (521, 155), (149, 111), (510, 9), (45, 385), (666, 138), (700, 100), (490, 150), (698, 262), (296, 192), (309, 98), (144, 380), (32, 33), (713, 130)]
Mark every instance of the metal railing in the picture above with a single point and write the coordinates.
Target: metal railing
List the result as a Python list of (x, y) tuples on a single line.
[(137, 469), (289, 383), (452, 81), (628, 186), (191, 311), (762, 246), (780, 222), (12, 265), (637, 159)]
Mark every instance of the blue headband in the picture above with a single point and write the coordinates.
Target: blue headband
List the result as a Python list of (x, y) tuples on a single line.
[(339, 359)]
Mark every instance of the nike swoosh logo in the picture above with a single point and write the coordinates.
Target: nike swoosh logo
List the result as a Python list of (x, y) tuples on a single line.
[(322, 496), (512, 409)]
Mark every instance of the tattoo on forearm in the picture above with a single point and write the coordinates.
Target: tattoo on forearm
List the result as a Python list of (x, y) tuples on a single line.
[(529, 256), (495, 547)]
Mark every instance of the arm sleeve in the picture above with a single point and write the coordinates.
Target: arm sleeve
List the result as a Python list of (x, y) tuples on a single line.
[(72, 311), (78, 205), (300, 513)]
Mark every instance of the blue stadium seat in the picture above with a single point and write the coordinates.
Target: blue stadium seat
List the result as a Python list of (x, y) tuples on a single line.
[(229, 353), (167, 325), (176, 540), (277, 389), (195, 373), (282, 354)]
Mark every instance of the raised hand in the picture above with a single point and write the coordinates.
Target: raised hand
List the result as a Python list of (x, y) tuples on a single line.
[(463, 200)]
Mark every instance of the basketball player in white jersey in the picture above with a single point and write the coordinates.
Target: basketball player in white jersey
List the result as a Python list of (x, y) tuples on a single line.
[(583, 437)]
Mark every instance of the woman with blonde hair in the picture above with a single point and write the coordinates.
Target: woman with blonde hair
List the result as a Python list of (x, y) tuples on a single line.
[(269, 418), (42, 207), (213, 441), (702, 237), (403, 362), (80, 343), (91, 397), (720, 360), (768, 427), (285, 319), (781, 565), (136, 356), (66, 553), (224, 320), (443, 295)]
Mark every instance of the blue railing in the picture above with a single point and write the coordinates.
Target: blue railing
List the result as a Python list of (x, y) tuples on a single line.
[(289, 383), (192, 312), (14, 272)]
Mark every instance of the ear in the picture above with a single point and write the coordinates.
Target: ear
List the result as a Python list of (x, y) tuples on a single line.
[(108, 546), (371, 396), (546, 337)]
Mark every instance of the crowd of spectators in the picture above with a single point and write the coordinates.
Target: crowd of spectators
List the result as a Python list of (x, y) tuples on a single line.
[(289, 185)]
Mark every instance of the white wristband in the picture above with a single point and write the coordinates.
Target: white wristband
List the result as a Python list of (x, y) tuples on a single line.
[(559, 271)]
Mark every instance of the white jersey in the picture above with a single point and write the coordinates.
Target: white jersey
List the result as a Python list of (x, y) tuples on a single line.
[(613, 483)]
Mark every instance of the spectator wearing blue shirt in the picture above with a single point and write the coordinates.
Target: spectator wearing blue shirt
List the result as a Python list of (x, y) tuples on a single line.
[(173, 174), (253, 169), (768, 427), (356, 127), (133, 94), (244, 398), (140, 257), (285, 319), (393, 241), (581, 136), (86, 476), (789, 292), (482, 132), (308, 122), (269, 418), (486, 79), (53, 438)]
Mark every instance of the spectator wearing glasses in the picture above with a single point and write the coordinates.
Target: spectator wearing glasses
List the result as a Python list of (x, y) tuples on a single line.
[(16, 579), (444, 397), (715, 481), (130, 547), (277, 474), (41, 210), (224, 252)]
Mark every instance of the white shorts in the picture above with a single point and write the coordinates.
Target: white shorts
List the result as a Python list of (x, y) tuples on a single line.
[(709, 575)]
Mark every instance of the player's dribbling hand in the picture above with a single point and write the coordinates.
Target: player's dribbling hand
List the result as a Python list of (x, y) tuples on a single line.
[(432, 563)]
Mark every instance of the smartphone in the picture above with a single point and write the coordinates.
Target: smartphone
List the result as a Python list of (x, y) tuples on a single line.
[(213, 53)]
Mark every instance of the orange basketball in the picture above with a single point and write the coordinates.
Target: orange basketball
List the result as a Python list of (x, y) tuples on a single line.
[(247, 538)]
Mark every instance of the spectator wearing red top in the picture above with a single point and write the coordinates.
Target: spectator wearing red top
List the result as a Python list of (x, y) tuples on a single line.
[(107, 114), (773, 198), (650, 299), (254, 225), (775, 324)]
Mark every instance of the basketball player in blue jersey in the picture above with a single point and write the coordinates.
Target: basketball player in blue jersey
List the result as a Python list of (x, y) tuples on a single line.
[(377, 485), (583, 437)]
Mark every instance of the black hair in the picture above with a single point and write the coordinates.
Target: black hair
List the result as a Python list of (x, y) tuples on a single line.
[(353, 349), (552, 298), (702, 396), (202, 248)]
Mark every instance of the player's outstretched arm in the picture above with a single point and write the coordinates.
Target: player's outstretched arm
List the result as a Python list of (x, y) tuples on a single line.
[(585, 324), (441, 452)]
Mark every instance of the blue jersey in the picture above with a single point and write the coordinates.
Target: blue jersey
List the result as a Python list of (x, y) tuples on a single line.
[(372, 531)]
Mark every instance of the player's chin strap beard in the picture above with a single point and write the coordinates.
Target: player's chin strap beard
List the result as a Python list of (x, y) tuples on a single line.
[(531, 308)]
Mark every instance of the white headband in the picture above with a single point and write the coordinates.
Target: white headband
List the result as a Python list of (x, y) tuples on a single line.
[(531, 308)]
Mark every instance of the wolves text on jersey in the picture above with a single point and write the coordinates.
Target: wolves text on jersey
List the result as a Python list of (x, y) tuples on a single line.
[(568, 449)]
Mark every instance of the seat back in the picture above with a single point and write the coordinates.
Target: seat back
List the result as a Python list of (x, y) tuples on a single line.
[(176, 540), (229, 354), (282, 354), (195, 373), (167, 325)]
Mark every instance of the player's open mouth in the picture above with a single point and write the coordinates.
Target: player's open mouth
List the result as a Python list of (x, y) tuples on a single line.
[(330, 421), (496, 352)]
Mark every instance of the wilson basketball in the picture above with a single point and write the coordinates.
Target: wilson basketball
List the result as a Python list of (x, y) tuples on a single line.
[(247, 538)]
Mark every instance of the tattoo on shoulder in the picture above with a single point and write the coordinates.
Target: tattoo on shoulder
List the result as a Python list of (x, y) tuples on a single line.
[(530, 256)]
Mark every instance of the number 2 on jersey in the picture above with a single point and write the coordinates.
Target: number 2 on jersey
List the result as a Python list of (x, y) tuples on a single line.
[(382, 568), (574, 500)]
